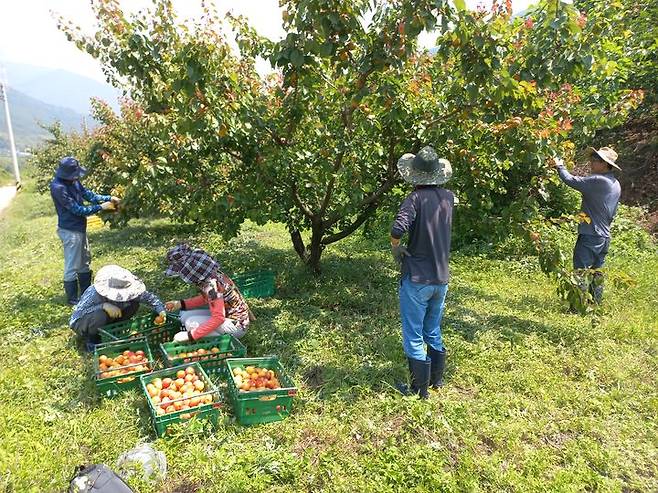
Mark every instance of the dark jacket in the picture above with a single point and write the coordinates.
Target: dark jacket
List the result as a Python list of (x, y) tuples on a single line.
[(69, 198), (426, 214)]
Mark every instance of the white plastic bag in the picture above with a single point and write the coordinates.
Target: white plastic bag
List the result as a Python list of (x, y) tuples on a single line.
[(144, 460)]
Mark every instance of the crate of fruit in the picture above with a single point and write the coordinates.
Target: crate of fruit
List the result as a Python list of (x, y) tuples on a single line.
[(259, 389), (178, 394), (118, 365), (257, 284), (210, 352), (150, 326)]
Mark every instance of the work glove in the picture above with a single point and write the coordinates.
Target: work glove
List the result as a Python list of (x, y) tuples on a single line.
[(399, 252), (182, 336), (111, 310), (107, 206), (115, 200), (172, 306), (557, 162), (161, 318)]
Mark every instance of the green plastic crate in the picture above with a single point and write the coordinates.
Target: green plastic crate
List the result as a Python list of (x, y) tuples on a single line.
[(212, 362), (143, 326), (257, 284), (112, 386), (204, 411), (260, 406)]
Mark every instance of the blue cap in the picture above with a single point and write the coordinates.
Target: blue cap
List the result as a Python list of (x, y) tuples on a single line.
[(70, 169)]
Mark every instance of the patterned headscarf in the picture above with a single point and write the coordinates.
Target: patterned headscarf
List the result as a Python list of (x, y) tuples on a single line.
[(194, 266)]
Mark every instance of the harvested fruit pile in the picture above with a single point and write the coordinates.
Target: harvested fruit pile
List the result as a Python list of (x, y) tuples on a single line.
[(254, 378), (185, 392), (203, 353), (126, 362)]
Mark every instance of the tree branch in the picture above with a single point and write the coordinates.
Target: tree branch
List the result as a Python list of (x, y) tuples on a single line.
[(298, 201), (365, 214)]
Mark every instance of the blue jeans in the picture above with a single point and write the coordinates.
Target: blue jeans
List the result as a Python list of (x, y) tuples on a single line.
[(590, 252), (421, 310), (77, 258)]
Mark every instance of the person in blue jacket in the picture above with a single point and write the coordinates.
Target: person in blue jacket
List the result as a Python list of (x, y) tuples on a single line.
[(600, 192), (69, 196)]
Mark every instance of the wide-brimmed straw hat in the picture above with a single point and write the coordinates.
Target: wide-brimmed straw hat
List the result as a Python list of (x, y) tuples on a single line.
[(424, 168), (118, 284), (608, 154)]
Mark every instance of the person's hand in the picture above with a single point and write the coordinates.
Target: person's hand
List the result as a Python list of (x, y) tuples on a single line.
[(161, 318), (115, 200), (399, 252), (181, 337), (107, 206), (557, 162), (111, 310), (172, 306)]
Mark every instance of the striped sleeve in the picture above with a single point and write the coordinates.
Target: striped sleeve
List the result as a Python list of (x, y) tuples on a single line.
[(152, 300)]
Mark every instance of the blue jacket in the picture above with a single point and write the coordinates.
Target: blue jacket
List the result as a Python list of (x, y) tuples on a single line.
[(69, 198), (601, 194)]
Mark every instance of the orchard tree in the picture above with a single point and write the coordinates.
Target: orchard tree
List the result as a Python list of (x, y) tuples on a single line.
[(203, 136)]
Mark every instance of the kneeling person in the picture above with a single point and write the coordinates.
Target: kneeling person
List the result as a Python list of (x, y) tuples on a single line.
[(115, 296), (219, 309)]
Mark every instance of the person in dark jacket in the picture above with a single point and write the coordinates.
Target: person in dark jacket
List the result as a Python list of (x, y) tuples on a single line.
[(69, 196), (600, 199), (426, 215)]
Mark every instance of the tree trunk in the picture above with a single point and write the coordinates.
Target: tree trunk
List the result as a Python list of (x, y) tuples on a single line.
[(316, 248), (298, 244)]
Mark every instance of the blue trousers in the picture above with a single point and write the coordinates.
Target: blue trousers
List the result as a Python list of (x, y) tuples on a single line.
[(590, 252), (421, 310), (77, 257)]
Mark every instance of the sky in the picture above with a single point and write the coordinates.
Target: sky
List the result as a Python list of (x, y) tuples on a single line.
[(29, 34)]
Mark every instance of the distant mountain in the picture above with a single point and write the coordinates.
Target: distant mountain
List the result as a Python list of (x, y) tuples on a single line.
[(59, 87), (26, 114)]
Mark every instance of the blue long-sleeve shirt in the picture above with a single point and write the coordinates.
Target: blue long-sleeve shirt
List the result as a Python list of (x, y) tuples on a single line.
[(601, 194), (91, 301), (69, 198)]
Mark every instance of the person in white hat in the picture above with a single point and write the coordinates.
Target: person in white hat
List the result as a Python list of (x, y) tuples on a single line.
[(600, 198), (115, 296), (426, 215)]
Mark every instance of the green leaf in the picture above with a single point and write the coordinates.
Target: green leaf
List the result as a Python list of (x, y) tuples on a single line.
[(297, 58), (460, 5)]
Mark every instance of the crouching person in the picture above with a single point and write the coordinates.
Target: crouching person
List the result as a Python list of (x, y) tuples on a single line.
[(218, 309), (115, 296)]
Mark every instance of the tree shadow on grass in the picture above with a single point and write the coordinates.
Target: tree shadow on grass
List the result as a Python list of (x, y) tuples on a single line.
[(470, 323)]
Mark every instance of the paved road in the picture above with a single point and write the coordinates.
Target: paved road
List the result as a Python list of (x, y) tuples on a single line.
[(6, 194)]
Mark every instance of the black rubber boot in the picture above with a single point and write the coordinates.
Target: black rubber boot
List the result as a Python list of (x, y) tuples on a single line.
[(438, 359), (596, 288), (71, 290), (420, 379), (84, 280)]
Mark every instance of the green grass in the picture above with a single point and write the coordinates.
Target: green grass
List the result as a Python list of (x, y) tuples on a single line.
[(536, 399)]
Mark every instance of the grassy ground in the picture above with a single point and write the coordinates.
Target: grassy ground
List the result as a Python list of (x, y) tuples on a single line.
[(537, 399)]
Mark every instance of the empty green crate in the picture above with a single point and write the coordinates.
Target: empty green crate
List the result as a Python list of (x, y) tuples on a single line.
[(143, 326), (260, 406), (208, 411), (258, 284), (212, 362), (112, 386)]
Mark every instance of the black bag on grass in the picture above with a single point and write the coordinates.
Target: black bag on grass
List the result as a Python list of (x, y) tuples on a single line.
[(97, 478)]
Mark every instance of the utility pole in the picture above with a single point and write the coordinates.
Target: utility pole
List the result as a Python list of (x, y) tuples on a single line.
[(12, 145)]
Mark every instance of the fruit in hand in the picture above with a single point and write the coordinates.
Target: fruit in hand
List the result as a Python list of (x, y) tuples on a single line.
[(253, 378), (183, 393), (126, 362)]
